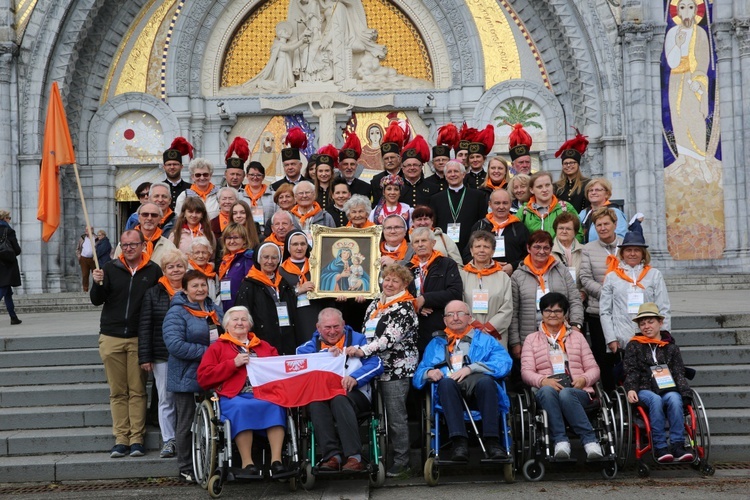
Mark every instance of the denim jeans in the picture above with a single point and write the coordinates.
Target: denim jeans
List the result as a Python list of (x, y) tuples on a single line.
[(394, 393), (477, 388), (7, 293), (569, 403), (672, 402)]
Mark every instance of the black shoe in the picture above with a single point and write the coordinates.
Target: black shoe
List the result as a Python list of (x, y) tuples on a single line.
[(251, 470), (663, 456), (277, 468), (460, 452), (494, 450), (681, 454), (15, 321)]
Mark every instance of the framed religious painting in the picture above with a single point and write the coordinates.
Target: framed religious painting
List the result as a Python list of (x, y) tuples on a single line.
[(345, 261)]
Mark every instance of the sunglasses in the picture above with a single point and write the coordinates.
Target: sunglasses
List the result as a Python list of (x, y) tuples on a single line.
[(205, 175), (149, 214)]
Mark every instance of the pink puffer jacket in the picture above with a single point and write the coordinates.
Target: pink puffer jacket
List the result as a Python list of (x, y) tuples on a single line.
[(536, 365)]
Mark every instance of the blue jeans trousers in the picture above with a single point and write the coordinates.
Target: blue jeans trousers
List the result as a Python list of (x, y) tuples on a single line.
[(661, 409), (478, 388), (568, 404)]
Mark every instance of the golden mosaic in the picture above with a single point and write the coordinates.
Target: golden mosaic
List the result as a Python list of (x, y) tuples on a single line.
[(501, 59)]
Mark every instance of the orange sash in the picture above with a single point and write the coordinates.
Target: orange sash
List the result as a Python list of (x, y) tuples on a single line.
[(275, 240), (226, 262), (292, 268), (380, 308), (398, 254), (207, 270), (168, 286), (339, 344), (259, 275), (560, 338), (196, 231), (532, 201), (453, 337), (645, 340), (494, 267), (539, 273), (223, 221), (167, 214), (493, 186), (141, 265), (204, 314), (303, 218), (253, 341), (150, 242), (497, 226), (255, 197), (415, 261), (621, 273), (202, 193), (612, 264)]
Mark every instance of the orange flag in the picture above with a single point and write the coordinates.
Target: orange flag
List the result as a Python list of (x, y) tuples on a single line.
[(57, 150)]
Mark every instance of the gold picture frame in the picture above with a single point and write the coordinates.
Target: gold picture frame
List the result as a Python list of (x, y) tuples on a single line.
[(345, 262)]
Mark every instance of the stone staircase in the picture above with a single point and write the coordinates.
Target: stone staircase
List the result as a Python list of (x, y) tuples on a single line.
[(55, 423), (706, 282), (50, 302)]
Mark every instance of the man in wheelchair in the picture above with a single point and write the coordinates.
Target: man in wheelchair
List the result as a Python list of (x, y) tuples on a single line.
[(465, 362), (335, 420), (655, 377)]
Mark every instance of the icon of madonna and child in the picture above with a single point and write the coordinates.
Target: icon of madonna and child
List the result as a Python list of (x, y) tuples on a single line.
[(346, 272)]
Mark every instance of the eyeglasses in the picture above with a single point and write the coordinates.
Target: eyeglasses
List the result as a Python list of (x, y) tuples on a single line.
[(569, 163), (539, 248), (255, 176), (126, 246), (556, 312), (233, 237), (143, 195), (458, 314), (304, 193), (596, 190), (198, 175), (150, 214), (394, 228)]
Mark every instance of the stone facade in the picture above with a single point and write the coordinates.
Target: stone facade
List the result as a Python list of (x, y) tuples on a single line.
[(603, 70)]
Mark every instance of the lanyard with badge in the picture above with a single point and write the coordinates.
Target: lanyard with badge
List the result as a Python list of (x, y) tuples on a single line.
[(454, 229), (499, 245), (419, 280), (225, 292), (540, 292), (480, 300), (282, 311), (661, 373), (456, 358), (258, 216), (635, 298)]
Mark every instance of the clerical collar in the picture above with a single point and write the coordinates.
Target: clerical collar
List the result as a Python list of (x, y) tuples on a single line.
[(173, 183), (477, 172), (415, 182), (299, 178), (455, 189), (298, 261), (390, 248)]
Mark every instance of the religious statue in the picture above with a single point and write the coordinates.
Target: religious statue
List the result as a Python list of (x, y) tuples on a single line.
[(278, 75), (326, 115)]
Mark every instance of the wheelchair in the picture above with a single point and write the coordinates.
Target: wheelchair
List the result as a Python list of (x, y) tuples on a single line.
[(373, 425), (634, 431), (533, 446), (213, 451), (433, 427)]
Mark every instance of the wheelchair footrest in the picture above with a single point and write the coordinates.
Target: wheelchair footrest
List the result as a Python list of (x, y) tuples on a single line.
[(554, 460), (285, 475), (238, 473), (490, 461)]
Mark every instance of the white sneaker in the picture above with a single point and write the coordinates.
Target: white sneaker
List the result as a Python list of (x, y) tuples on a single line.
[(562, 449), (593, 450)]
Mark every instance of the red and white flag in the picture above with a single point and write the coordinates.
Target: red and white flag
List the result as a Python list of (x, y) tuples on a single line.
[(291, 381)]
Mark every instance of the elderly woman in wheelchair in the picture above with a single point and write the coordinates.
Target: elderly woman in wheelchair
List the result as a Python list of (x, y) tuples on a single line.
[(558, 362), (223, 368)]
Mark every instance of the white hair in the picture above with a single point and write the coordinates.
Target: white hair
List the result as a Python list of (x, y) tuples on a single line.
[(160, 184), (423, 231), (230, 189), (454, 163), (239, 309), (197, 163), (303, 183), (357, 200)]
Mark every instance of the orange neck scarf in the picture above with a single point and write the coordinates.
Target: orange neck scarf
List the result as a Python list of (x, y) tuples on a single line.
[(621, 273), (144, 260), (368, 223), (226, 262), (415, 260), (339, 344), (167, 214), (497, 226), (252, 340), (167, 286), (207, 270), (275, 240), (381, 307), (560, 337), (455, 337), (223, 220), (292, 268), (494, 186), (396, 255), (255, 197), (201, 192), (539, 273), (311, 213), (612, 264), (194, 231), (532, 201), (494, 267), (260, 276), (204, 314), (645, 340), (150, 242)]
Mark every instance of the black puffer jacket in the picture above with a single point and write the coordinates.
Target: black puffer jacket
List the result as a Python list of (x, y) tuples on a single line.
[(151, 345), (639, 360)]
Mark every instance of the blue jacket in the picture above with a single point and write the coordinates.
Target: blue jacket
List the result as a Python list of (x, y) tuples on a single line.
[(241, 265), (486, 355), (363, 370), (186, 338)]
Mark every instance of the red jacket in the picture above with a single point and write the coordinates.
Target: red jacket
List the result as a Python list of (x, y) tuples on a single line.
[(217, 370)]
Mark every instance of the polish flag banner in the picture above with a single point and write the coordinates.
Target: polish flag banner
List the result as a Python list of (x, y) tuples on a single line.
[(292, 381)]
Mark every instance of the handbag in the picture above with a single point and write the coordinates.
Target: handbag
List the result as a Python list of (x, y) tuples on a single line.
[(7, 252)]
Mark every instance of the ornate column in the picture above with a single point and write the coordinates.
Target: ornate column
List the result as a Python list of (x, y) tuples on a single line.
[(742, 119), (31, 262), (8, 171)]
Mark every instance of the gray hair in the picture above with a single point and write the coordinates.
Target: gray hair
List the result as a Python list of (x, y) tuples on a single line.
[(230, 189), (283, 212), (357, 200), (160, 184), (200, 241), (240, 309), (161, 213), (330, 311), (454, 163), (303, 183), (197, 163), (423, 231)]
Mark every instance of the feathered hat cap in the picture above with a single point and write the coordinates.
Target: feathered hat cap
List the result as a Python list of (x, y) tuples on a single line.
[(573, 148), (483, 141), (394, 139), (352, 148), (295, 141), (519, 142), (328, 155), (417, 148), (447, 139), (241, 148), (466, 136), (180, 147)]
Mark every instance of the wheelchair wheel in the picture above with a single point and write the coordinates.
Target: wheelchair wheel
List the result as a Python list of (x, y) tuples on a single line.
[(431, 472), (215, 486), (306, 478), (382, 430), (509, 473), (643, 470), (623, 423), (377, 478), (701, 433), (523, 427), (609, 471), (204, 443), (533, 470), (427, 427)]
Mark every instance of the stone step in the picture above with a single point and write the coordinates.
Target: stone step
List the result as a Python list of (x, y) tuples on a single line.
[(718, 375), (732, 396), (724, 421), (54, 395), (706, 282), (713, 337), (46, 342), (41, 375), (710, 321), (73, 440), (83, 466), (729, 448), (720, 355), (50, 417), (54, 357)]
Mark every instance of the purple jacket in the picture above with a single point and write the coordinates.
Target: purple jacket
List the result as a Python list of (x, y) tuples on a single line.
[(237, 271)]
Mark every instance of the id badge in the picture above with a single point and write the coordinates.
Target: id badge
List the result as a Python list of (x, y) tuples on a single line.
[(539, 294), (283, 313), (370, 327), (499, 248), (213, 334), (635, 301), (226, 290), (303, 300), (480, 301), (572, 271), (418, 284), (663, 377), (258, 215), (454, 231), (557, 358), (457, 361)]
